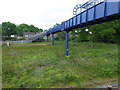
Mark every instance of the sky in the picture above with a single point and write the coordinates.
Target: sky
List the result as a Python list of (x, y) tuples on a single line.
[(40, 13)]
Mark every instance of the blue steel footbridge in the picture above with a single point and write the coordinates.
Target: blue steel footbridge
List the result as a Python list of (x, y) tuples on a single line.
[(91, 13)]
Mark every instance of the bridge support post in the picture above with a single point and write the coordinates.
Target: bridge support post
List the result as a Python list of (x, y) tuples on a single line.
[(52, 39), (47, 38), (67, 43)]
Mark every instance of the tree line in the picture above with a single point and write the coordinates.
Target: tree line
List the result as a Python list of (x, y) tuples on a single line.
[(105, 32), (9, 28)]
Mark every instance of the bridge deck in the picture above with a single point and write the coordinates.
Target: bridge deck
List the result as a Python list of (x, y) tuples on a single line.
[(102, 12)]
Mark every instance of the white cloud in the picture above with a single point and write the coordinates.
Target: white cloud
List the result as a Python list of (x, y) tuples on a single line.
[(41, 13)]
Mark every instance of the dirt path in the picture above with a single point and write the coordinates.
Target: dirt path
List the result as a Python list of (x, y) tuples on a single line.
[(28, 45), (109, 86), (102, 84)]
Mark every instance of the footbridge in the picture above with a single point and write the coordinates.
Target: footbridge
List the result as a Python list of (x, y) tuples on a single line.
[(37, 36), (31, 38), (92, 12)]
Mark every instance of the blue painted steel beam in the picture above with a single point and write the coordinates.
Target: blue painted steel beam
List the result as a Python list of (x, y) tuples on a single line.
[(47, 37), (119, 7), (94, 15), (52, 39), (102, 12), (105, 10), (67, 42)]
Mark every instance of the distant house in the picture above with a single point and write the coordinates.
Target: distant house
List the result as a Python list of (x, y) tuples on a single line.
[(28, 34), (13, 35)]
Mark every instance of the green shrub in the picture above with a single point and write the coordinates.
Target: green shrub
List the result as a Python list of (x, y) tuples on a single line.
[(22, 38), (108, 35), (13, 39)]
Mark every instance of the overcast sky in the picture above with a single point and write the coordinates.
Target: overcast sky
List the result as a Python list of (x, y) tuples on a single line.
[(40, 13)]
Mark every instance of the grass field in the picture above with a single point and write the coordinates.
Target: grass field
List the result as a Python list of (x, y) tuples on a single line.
[(44, 66)]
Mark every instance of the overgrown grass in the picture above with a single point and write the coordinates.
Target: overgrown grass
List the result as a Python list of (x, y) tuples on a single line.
[(46, 66)]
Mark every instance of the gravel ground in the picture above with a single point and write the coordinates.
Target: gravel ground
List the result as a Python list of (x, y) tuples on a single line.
[(110, 86)]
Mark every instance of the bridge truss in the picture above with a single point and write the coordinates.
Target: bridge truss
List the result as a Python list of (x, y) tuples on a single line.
[(91, 13)]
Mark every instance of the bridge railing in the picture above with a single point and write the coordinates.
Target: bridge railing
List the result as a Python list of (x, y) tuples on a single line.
[(102, 11)]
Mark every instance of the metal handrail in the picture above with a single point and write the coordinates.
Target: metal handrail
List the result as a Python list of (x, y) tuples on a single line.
[(86, 5)]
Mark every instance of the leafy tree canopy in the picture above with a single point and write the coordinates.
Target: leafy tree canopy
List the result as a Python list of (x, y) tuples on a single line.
[(9, 28)]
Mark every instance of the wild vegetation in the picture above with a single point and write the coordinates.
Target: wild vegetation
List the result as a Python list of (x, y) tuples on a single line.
[(108, 32), (43, 66), (9, 29), (93, 57)]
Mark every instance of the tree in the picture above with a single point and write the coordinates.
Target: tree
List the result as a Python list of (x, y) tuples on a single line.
[(60, 35), (56, 24), (79, 35), (27, 28), (105, 32), (19, 30), (8, 28), (32, 28)]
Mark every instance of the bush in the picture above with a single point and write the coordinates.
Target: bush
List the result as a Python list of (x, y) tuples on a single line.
[(108, 35), (22, 38), (105, 32), (13, 39), (60, 35), (9, 38)]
